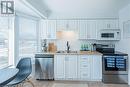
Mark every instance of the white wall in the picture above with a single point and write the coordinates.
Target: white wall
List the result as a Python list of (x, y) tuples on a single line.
[(69, 9), (124, 44)]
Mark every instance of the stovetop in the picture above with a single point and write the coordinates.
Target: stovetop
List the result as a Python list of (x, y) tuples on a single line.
[(116, 53)]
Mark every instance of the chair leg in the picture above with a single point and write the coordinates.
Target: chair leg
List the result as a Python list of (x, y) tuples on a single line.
[(21, 84), (27, 80), (31, 83)]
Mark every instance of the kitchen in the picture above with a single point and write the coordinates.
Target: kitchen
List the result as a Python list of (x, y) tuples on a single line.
[(83, 42)]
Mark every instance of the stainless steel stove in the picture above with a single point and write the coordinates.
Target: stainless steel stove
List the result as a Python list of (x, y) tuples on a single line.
[(115, 64)]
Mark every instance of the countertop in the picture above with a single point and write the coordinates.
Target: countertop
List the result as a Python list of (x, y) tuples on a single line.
[(74, 53)]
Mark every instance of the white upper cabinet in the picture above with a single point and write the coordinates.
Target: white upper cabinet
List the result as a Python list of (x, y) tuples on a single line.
[(43, 29), (73, 25), (91, 29), (82, 29), (87, 29), (51, 32), (61, 25), (48, 29), (67, 25), (108, 24)]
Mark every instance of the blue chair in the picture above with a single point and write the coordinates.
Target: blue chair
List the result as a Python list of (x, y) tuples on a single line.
[(25, 69)]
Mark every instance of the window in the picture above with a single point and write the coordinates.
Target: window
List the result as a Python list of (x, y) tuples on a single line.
[(5, 41), (4, 47), (27, 37)]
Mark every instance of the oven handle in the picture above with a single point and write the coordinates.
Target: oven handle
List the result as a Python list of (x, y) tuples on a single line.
[(108, 56), (125, 57)]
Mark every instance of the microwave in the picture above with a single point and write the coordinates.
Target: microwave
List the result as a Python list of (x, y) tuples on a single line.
[(109, 34)]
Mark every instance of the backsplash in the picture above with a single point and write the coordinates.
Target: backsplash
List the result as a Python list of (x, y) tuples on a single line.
[(75, 45)]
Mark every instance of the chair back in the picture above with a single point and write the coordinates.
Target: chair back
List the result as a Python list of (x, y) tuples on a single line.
[(25, 66)]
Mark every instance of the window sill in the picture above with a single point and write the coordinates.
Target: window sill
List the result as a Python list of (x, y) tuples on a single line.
[(9, 66)]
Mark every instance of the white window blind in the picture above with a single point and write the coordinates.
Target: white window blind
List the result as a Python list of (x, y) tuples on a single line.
[(27, 37), (5, 41)]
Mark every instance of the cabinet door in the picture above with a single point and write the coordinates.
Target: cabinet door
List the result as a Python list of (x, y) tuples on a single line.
[(82, 29), (87, 29), (96, 68), (61, 25), (67, 25), (43, 29), (48, 29), (84, 67), (51, 29), (109, 24), (59, 67), (91, 29), (71, 67), (72, 25)]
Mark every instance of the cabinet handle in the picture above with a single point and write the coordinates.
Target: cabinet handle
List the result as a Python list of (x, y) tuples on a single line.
[(85, 66), (66, 59), (85, 74), (108, 26)]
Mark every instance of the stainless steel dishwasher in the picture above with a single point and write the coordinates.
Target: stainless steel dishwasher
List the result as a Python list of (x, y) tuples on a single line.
[(44, 67)]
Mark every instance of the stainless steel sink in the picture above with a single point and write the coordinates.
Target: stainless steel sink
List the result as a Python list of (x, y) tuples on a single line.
[(67, 52)]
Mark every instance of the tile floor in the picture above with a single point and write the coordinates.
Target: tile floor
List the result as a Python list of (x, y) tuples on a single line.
[(38, 83)]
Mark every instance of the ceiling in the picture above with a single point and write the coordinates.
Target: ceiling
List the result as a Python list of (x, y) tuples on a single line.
[(62, 9), (20, 7), (31, 8), (73, 9)]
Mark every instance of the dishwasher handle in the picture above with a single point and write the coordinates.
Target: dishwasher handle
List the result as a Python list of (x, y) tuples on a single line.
[(44, 56)]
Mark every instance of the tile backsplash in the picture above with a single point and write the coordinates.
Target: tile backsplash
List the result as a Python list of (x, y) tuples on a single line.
[(75, 45)]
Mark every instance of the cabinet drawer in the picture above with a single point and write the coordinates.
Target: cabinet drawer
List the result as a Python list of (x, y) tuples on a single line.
[(84, 59), (84, 75), (86, 69), (84, 65)]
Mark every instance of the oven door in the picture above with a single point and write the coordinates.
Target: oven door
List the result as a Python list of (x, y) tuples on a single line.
[(115, 65)]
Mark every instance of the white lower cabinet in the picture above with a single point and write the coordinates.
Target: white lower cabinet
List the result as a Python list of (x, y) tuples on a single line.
[(71, 67), (96, 68), (65, 67), (59, 67), (84, 67), (78, 67)]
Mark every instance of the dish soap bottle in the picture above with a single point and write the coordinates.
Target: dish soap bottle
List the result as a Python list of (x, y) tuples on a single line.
[(82, 47), (86, 47)]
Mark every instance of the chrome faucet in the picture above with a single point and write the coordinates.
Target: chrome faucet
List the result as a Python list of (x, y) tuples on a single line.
[(68, 47)]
